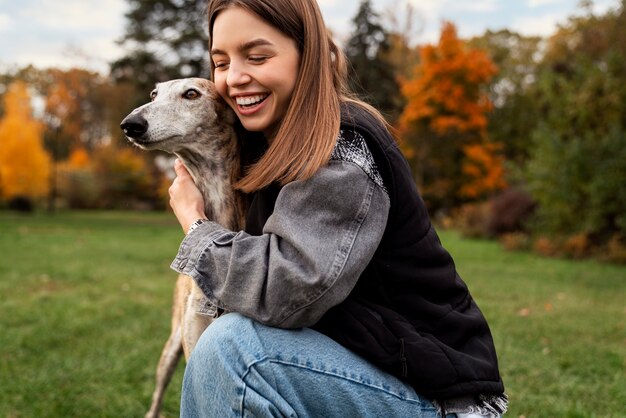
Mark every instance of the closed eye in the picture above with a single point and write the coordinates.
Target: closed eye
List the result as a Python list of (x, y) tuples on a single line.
[(257, 59)]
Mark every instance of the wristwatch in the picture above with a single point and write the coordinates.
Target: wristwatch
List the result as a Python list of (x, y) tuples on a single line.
[(196, 224)]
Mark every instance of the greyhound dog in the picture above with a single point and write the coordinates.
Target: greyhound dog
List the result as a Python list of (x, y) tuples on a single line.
[(187, 118)]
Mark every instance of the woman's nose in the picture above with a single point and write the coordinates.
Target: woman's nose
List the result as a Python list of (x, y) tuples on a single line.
[(237, 76)]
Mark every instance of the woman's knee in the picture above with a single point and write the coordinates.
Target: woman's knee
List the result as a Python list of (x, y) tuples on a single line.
[(225, 333), (225, 349)]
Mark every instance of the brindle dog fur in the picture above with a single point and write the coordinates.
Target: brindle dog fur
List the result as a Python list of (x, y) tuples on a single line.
[(188, 118)]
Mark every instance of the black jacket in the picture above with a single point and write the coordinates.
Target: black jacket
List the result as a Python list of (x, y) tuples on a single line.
[(410, 313)]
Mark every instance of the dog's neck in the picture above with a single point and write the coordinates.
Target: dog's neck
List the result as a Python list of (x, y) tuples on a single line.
[(214, 176)]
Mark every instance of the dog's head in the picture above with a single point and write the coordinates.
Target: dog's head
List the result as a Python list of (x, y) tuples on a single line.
[(181, 112)]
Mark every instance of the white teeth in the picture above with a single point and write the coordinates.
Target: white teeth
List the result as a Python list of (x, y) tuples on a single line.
[(250, 100)]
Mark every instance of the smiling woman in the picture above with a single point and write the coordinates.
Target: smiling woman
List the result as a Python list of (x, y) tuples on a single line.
[(338, 282), (255, 69)]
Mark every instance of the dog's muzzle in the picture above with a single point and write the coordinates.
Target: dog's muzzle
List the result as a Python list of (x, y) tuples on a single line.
[(134, 126)]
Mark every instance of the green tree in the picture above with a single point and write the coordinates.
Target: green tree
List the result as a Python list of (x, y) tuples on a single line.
[(164, 40), (515, 114), (373, 73), (576, 170), (402, 22)]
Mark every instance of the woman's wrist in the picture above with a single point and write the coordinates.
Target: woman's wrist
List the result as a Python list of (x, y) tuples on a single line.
[(188, 217), (196, 224)]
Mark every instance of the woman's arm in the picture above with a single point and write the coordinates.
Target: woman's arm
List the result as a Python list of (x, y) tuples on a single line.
[(321, 236)]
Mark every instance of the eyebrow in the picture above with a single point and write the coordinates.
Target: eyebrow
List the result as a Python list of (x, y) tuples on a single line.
[(245, 46)]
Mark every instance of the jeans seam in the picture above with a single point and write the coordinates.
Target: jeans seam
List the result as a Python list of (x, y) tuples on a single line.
[(245, 385), (326, 372)]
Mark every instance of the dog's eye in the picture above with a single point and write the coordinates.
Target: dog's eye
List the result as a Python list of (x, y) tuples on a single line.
[(153, 94), (191, 94)]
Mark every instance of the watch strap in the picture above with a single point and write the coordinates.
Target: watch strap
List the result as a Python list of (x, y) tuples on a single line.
[(196, 224)]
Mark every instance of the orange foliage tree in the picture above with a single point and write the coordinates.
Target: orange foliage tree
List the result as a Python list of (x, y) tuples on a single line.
[(484, 169), (75, 99), (24, 164), (444, 123)]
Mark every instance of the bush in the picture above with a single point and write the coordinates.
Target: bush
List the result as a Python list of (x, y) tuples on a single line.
[(516, 241), (579, 184), (504, 214), (21, 204), (546, 247), (125, 177), (78, 188), (577, 246), (471, 219), (509, 211), (607, 186), (615, 251)]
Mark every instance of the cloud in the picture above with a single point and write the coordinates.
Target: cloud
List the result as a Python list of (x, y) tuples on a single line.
[(6, 23), (70, 32), (327, 3), (476, 6), (76, 14), (544, 25), (61, 34), (539, 3), (434, 9), (430, 8)]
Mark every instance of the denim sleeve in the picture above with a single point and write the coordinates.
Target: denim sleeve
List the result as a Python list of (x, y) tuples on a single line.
[(321, 236)]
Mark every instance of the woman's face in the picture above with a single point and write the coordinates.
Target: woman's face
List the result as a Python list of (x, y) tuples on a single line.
[(256, 67)]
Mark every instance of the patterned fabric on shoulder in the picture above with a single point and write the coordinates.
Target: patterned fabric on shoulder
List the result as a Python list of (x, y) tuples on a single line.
[(351, 147)]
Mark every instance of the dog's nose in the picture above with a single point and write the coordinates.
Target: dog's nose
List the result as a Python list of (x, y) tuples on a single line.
[(134, 126)]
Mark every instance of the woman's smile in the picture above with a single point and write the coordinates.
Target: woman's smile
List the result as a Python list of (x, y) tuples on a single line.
[(248, 105)]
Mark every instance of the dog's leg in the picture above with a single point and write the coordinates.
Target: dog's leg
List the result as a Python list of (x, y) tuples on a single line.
[(172, 350), (197, 316)]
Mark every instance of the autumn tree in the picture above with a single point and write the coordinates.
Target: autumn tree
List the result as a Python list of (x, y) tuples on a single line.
[(29, 75), (445, 122), (24, 164), (75, 99), (79, 106)]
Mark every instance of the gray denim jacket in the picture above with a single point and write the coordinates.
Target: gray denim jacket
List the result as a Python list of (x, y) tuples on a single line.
[(315, 245)]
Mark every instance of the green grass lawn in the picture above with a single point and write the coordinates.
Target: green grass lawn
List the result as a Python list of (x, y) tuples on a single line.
[(85, 305)]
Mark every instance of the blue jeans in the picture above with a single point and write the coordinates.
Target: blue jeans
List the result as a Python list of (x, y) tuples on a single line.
[(241, 368)]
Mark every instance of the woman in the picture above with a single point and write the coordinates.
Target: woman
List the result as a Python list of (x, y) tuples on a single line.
[(344, 302)]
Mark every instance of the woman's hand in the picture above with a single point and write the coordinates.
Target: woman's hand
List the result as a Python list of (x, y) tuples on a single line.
[(185, 197)]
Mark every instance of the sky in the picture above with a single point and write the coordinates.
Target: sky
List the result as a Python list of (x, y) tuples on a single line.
[(83, 33)]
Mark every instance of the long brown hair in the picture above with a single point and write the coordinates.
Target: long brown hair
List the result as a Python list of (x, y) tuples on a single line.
[(308, 131)]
